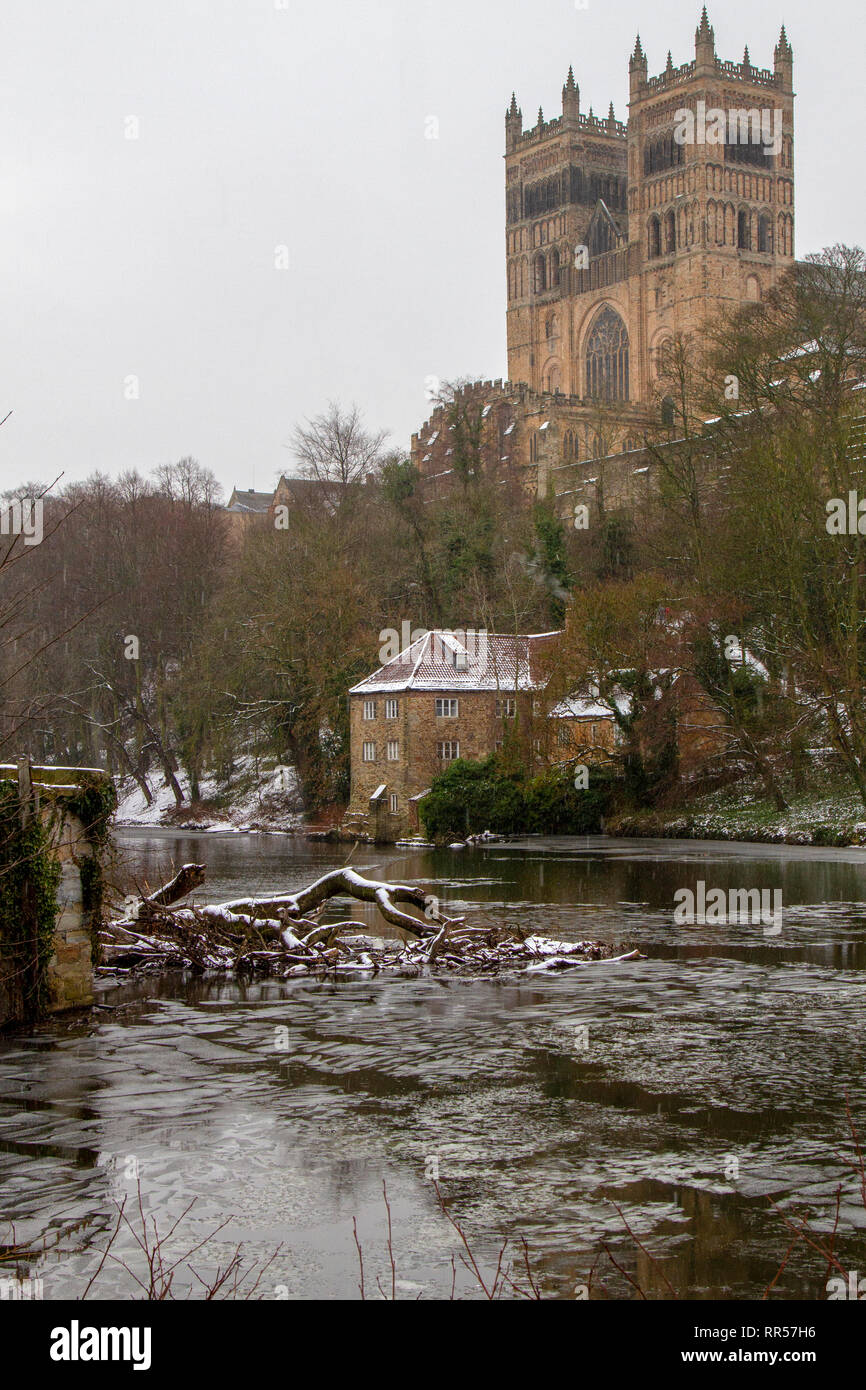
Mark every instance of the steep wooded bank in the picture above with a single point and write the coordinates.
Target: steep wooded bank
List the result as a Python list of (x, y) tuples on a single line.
[(162, 642)]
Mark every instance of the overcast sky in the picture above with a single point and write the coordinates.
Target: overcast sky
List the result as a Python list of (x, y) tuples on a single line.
[(264, 124)]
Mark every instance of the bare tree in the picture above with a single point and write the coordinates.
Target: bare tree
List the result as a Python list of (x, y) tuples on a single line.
[(336, 450)]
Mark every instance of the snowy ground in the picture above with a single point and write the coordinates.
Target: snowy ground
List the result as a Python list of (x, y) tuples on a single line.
[(825, 814), (270, 802)]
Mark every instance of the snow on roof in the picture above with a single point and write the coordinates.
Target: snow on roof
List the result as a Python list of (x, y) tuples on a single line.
[(578, 707), (802, 351), (735, 654), (249, 501), (468, 660)]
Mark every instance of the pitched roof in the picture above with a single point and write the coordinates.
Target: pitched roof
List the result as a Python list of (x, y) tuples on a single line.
[(250, 501), (579, 707), (467, 660)]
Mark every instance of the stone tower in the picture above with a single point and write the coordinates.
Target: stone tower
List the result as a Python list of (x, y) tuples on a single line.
[(619, 236)]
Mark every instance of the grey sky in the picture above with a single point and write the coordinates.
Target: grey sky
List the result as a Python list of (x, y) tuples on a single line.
[(267, 123)]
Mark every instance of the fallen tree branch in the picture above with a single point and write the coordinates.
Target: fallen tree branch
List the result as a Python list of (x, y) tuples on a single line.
[(187, 878), (275, 935)]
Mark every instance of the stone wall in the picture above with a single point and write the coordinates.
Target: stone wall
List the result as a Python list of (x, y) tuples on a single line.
[(70, 969), (71, 966)]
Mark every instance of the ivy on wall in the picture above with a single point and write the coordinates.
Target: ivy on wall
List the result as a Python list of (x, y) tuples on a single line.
[(29, 880), (30, 876), (94, 802)]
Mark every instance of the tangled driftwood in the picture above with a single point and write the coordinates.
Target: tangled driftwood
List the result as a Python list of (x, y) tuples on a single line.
[(281, 934)]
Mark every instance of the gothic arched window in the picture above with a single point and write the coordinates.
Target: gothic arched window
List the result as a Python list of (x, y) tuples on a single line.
[(765, 232), (540, 278), (655, 238), (670, 233), (744, 232), (606, 357), (554, 269)]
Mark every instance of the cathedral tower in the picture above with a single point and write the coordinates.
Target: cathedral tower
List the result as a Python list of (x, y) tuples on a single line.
[(619, 236)]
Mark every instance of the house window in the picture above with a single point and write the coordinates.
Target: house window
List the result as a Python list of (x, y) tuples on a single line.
[(395, 805), (393, 751), (447, 709), (392, 709), (448, 752), (506, 709), (563, 735), (369, 752), (369, 709), (592, 733)]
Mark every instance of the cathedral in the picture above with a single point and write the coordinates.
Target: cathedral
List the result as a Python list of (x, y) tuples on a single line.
[(620, 235)]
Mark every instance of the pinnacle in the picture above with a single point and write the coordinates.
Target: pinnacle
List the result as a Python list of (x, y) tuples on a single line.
[(703, 30)]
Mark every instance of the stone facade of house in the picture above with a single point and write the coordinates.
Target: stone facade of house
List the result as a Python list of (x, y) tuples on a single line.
[(445, 697)]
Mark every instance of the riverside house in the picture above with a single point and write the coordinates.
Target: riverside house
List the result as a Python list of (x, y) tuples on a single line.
[(449, 696)]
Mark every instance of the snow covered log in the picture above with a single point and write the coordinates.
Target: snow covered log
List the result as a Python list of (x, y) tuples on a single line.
[(187, 878), (346, 882), (280, 935)]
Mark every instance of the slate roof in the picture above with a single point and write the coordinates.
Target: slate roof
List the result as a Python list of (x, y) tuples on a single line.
[(250, 501), (469, 661), (576, 707)]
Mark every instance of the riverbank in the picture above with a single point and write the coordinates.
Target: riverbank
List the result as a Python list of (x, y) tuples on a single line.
[(830, 815), (253, 798)]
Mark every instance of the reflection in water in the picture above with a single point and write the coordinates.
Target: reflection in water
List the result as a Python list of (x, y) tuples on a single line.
[(687, 1089)]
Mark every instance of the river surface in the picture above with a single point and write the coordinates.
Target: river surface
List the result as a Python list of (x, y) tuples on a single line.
[(692, 1096)]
